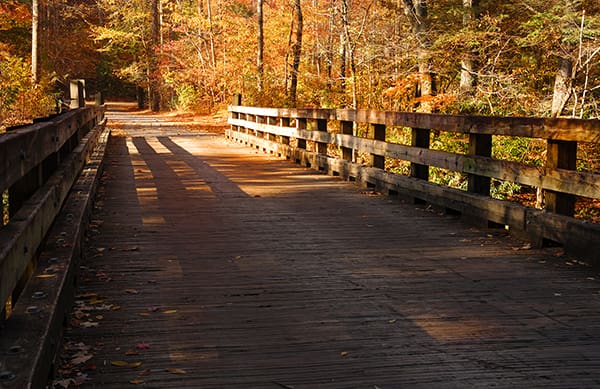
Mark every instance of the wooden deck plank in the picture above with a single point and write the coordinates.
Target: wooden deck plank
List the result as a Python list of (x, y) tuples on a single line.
[(249, 272)]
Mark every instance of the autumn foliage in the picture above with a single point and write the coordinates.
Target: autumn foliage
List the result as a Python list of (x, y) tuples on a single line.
[(362, 53)]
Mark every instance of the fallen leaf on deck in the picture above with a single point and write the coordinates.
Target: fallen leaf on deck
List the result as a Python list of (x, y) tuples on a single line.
[(131, 365), (87, 295), (170, 311), (137, 381), (46, 276), (88, 324), (115, 307), (142, 346), (80, 358), (344, 353), (131, 352), (173, 370), (145, 373), (144, 314), (132, 291)]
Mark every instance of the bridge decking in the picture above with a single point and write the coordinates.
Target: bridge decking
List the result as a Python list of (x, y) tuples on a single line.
[(229, 269)]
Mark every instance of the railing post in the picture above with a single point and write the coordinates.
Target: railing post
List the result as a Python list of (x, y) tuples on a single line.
[(259, 134), (301, 125), (419, 138), (561, 155), (284, 122), (321, 126), (347, 128), (236, 101), (378, 161), (481, 145), (272, 122)]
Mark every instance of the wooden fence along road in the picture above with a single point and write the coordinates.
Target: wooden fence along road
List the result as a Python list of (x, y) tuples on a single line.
[(211, 265)]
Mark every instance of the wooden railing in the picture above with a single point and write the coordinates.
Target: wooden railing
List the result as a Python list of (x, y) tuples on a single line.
[(48, 173), (333, 135)]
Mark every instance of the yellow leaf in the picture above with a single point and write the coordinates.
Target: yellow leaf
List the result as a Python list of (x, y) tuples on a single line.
[(137, 381), (131, 352), (135, 364), (344, 353), (173, 370), (119, 363), (170, 311), (144, 314), (46, 276), (115, 307)]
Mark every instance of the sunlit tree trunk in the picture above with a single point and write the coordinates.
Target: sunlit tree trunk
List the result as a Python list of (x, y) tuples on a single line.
[(563, 79), (260, 47), (211, 36), (153, 75), (296, 51), (35, 25), (416, 11), (468, 70)]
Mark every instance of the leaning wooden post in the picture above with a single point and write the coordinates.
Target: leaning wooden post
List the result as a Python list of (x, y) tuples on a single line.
[(321, 126), (378, 161), (347, 128), (419, 138), (481, 145), (561, 155)]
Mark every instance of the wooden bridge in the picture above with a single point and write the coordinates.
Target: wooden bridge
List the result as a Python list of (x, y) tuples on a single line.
[(185, 258)]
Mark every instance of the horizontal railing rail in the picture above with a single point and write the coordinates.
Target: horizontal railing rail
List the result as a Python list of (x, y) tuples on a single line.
[(38, 165), (312, 136)]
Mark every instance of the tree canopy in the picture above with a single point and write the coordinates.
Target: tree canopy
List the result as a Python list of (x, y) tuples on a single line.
[(469, 56)]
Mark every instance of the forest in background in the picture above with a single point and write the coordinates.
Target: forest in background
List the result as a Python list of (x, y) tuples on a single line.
[(483, 57), (532, 57)]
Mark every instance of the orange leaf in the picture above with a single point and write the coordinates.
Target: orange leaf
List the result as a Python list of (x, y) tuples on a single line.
[(173, 370), (137, 381)]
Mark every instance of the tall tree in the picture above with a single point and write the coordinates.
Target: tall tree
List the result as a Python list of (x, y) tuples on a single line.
[(35, 34), (416, 11), (564, 74), (153, 48), (296, 54), (260, 47), (468, 71)]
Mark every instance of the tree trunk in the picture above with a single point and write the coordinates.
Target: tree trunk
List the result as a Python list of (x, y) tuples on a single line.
[(297, 51), (562, 86), (468, 70), (563, 80), (211, 35), (259, 51), (35, 19), (416, 11), (153, 60)]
